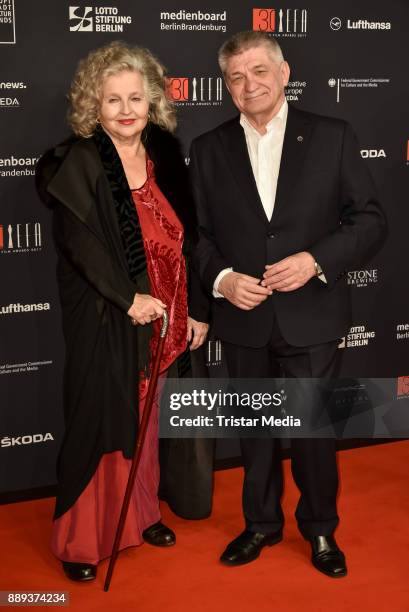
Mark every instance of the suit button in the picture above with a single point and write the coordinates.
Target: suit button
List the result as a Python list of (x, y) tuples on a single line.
[(271, 235)]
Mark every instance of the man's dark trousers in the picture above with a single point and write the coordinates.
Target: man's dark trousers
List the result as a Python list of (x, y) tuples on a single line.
[(313, 460)]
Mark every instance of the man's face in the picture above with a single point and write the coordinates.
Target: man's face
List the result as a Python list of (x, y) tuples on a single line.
[(256, 82)]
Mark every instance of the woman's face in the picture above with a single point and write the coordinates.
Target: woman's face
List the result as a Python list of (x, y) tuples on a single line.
[(124, 106)]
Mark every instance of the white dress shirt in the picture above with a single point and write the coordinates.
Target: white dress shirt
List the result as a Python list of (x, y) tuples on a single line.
[(265, 156)]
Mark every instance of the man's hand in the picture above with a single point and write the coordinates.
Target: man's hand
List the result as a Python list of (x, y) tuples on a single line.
[(290, 273), (196, 333), (145, 309), (242, 290)]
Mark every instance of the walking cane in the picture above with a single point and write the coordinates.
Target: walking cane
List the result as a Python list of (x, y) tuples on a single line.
[(138, 450)]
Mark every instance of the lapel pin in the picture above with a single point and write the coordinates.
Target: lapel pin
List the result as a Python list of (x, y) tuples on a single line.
[(300, 138)]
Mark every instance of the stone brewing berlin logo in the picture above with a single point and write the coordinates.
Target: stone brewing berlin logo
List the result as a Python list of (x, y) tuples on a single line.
[(7, 23)]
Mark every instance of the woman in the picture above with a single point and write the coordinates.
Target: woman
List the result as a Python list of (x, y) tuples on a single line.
[(121, 216)]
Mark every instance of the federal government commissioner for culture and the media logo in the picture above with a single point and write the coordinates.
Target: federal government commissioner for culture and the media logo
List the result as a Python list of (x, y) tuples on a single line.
[(355, 84)]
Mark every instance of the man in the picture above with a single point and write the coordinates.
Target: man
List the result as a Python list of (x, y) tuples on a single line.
[(286, 206)]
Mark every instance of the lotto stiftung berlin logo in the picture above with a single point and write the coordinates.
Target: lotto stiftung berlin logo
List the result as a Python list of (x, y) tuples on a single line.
[(80, 19)]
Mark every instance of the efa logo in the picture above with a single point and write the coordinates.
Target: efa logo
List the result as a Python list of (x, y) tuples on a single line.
[(264, 20), (178, 89), (403, 386), (283, 22), (197, 90)]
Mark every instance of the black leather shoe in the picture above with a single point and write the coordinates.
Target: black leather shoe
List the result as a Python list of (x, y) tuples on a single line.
[(247, 547), (327, 557), (79, 571), (159, 535)]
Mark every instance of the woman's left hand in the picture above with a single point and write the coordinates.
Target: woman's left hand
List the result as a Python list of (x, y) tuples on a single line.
[(196, 332)]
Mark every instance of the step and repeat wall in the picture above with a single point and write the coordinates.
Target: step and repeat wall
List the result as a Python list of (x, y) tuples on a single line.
[(347, 60)]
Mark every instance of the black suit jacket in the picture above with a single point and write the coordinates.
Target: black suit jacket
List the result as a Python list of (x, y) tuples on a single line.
[(325, 204)]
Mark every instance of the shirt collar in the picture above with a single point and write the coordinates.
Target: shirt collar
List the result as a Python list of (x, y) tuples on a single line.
[(281, 116)]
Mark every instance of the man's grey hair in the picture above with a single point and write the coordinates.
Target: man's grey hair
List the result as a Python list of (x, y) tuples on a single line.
[(242, 41)]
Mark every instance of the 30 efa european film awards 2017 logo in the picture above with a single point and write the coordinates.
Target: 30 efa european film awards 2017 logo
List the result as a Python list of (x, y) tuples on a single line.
[(195, 91), (7, 22), (20, 238), (282, 22), (402, 387)]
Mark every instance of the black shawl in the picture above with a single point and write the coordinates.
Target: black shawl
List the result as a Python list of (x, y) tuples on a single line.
[(101, 265)]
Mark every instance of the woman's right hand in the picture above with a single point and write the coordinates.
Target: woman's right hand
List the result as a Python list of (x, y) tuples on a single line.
[(145, 308)]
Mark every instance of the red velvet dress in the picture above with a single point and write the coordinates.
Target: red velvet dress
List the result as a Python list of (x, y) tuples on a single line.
[(85, 533)]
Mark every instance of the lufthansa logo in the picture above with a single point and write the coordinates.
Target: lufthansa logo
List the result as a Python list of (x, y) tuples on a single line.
[(335, 23)]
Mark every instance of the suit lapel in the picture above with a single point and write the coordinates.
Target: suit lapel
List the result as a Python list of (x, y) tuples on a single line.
[(234, 144), (295, 145)]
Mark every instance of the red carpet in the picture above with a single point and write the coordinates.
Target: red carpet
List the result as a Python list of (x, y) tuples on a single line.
[(374, 532)]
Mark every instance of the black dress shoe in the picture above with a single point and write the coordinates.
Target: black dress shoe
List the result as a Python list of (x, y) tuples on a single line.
[(247, 547), (79, 571), (159, 535), (327, 557)]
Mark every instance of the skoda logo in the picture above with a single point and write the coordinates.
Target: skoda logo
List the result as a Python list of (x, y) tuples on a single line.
[(335, 23)]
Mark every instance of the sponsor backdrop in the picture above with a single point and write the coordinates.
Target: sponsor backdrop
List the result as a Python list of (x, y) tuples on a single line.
[(347, 61)]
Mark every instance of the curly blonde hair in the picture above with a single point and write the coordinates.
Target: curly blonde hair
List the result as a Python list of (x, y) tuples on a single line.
[(85, 92)]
